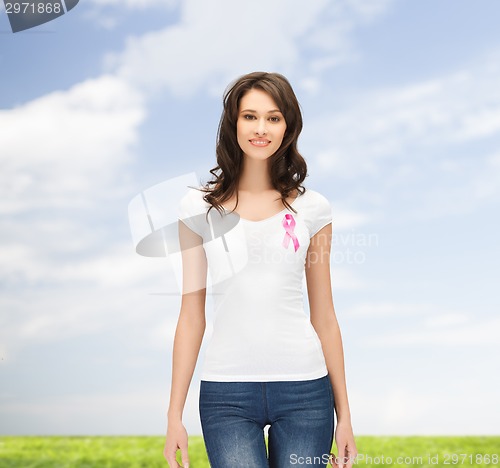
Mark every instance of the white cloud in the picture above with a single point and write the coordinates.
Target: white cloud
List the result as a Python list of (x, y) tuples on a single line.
[(424, 324), (259, 35), (74, 296), (433, 136), (345, 218), (387, 123), (494, 160), (481, 333), (135, 4), (310, 85), (78, 414), (463, 186), (65, 171), (445, 320), (57, 150), (392, 309), (109, 13), (345, 279), (332, 31), (394, 408)]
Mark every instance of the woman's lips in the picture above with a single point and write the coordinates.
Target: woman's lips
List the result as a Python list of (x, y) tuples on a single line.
[(259, 142)]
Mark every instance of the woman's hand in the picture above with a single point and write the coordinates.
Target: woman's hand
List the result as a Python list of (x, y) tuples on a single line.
[(346, 446), (177, 439)]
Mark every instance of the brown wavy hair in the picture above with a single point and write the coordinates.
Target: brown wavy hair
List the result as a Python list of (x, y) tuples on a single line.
[(288, 169)]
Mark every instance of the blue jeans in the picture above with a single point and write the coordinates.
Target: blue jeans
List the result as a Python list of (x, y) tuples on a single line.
[(300, 414)]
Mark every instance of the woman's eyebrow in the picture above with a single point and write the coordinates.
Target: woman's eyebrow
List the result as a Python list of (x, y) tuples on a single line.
[(273, 111)]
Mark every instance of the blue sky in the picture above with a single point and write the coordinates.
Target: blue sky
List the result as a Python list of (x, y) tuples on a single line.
[(402, 129)]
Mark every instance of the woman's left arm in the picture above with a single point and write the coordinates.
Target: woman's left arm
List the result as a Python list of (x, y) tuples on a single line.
[(324, 321)]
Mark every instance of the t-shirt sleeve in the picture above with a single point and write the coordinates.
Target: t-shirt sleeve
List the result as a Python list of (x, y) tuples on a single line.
[(189, 211), (321, 213)]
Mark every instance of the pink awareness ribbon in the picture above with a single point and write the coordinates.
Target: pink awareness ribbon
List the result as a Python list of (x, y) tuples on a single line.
[(289, 225)]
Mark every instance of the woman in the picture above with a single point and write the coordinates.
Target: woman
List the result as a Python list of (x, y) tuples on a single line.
[(268, 363)]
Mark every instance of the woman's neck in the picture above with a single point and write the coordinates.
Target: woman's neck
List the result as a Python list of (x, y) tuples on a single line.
[(255, 176)]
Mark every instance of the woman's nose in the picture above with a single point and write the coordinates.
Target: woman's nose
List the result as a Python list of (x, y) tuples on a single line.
[(261, 127)]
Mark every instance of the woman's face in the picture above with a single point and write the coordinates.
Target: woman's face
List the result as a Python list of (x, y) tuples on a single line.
[(260, 126)]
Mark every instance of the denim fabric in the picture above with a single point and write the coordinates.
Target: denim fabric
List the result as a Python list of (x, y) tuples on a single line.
[(300, 414)]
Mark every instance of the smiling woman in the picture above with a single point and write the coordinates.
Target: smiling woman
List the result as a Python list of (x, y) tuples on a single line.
[(261, 121), (261, 127), (267, 363)]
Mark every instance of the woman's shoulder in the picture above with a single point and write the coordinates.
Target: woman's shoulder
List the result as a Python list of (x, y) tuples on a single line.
[(314, 198), (192, 204), (316, 210), (193, 197)]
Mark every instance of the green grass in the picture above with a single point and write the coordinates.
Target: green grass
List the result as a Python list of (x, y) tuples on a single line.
[(428, 451), (135, 452)]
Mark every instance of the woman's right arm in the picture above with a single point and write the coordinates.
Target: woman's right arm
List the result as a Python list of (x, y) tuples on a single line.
[(187, 342)]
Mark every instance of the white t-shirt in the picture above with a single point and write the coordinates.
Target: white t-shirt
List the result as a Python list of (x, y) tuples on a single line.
[(261, 331)]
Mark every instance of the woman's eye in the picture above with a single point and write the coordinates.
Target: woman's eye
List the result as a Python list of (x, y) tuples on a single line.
[(275, 119), (248, 117)]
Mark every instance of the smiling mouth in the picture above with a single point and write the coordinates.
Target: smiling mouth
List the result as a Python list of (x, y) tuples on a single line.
[(260, 142)]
